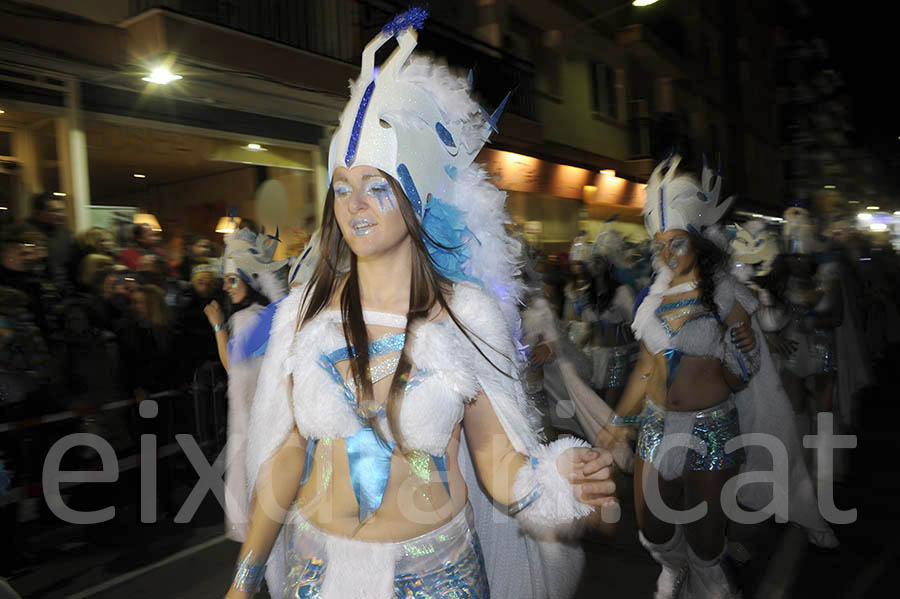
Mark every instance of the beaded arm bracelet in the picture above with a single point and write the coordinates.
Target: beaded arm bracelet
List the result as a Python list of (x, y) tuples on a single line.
[(528, 499), (741, 363), (248, 577)]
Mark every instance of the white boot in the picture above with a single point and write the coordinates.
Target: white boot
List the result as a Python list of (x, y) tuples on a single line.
[(673, 559), (708, 579)]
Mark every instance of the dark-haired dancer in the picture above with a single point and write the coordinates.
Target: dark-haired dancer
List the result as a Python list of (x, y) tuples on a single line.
[(702, 378), (251, 283)]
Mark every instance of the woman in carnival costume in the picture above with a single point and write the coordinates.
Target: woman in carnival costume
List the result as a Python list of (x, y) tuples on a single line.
[(613, 349), (701, 380), (251, 282), (813, 319), (376, 378)]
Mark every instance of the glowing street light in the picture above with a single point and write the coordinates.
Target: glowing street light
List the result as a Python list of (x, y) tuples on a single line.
[(139, 176), (873, 207), (255, 147), (644, 2), (59, 194), (161, 76), (831, 187)]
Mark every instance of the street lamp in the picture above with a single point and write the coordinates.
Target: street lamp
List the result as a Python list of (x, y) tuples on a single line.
[(553, 36), (162, 76)]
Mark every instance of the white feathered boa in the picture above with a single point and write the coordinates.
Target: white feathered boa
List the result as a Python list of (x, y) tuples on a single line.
[(763, 407)]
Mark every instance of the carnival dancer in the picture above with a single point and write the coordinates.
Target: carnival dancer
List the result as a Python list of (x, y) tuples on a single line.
[(613, 349), (251, 282), (374, 377), (817, 331), (701, 380)]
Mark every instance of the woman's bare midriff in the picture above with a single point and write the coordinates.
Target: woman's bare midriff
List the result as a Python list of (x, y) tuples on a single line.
[(411, 505), (699, 384)]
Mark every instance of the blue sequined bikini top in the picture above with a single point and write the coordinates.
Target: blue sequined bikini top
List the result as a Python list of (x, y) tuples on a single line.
[(369, 454), (698, 333)]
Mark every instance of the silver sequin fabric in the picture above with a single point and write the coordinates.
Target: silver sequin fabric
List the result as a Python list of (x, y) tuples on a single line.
[(713, 426), (446, 563)]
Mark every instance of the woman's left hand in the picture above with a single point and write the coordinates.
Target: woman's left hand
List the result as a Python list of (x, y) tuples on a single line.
[(590, 472), (743, 337)]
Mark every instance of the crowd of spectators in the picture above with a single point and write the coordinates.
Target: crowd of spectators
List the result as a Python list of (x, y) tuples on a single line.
[(84, 324)]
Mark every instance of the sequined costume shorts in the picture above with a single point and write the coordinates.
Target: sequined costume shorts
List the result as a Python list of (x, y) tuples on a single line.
[(711, 428), (446, 563)]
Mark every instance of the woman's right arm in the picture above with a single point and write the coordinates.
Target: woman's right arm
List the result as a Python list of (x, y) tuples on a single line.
[(275, 491)]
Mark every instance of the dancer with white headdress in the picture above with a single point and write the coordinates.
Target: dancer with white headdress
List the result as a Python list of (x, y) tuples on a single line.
[(251, 282), (703, 377), (812, 324), (377, 378)]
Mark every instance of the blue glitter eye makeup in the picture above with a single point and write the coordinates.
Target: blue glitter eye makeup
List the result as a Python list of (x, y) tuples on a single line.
[(381, 191), (342, 190), (679, 246)]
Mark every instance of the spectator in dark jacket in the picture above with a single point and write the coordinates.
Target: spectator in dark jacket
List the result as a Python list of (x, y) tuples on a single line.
[(48, 215)]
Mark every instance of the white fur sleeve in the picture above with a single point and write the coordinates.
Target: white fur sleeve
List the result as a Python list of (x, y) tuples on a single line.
[(547, 506), (499, 377)]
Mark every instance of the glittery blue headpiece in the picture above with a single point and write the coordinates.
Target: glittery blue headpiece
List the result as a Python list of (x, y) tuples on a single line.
[(411, 118)]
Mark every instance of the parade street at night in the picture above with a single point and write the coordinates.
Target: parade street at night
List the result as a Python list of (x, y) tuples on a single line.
[(458, 299)]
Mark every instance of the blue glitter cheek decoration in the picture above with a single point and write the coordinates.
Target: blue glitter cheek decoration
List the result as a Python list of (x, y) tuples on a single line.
[(357, 125), (384, 196), (450, 170), (410, 188)]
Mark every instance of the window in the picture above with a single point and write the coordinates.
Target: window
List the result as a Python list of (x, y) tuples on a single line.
[(603, 88)]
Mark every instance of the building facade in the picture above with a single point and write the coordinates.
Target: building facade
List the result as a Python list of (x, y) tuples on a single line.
[(600, 92)]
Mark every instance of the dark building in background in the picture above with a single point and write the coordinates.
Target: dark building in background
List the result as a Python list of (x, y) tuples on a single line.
[(601, 90)]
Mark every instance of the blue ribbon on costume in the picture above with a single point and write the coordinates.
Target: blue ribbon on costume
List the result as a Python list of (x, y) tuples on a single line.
[(251, 340), (446, 238), (370, 467)]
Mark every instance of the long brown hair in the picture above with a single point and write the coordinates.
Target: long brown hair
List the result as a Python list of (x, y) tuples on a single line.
[(711, 260), (427, 287)]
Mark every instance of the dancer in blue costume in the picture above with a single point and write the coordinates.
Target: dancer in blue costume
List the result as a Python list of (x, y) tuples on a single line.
[(703, 373), (396, 354)]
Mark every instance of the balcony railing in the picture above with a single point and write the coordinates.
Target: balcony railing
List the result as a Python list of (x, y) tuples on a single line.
[(339, 29)]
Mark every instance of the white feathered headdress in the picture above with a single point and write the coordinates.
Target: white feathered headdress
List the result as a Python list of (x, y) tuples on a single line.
[(249, 256), (417, 121), (677, 201), (753, 250)]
